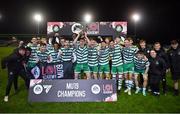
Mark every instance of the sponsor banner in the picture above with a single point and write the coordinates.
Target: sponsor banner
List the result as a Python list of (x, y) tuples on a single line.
[(72, 90), (54, 27), (47, 71), (92, 28), (116, 28)]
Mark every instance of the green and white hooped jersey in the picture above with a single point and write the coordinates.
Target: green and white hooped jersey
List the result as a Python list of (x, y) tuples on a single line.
[(43, 56), (128, 54), (50, 47), (54, 55), (135, 48), (33, 56), (92, 56), (140, 64), (67, 54), (81, 54), (104, 56), (116, 55)]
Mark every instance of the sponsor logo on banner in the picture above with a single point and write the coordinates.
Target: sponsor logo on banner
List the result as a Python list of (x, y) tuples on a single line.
[(120, 26), (77, 28), (93, 28), (38, 89), (107, 88), (36, 72), (54, 26), (48, 71), (117, 28), (72, 90), (95, 89)]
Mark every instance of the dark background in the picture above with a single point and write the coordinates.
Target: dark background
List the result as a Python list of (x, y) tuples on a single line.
[(160, 19)]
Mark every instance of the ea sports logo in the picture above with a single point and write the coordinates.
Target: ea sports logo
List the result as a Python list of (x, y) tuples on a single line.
[(38, 89), (95, 89)]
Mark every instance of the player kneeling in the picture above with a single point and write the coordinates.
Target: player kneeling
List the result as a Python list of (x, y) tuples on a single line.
[(141, 67)]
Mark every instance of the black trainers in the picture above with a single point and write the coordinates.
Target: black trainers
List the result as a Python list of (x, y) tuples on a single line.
[(176, 92)]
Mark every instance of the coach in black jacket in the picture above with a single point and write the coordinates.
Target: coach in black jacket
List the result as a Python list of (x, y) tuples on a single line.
[(14, 64), (161, 53), (24, 63), (156, 69), (174, 60)]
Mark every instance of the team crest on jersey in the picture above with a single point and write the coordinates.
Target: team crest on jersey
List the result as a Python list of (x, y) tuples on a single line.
[(11, 73), (157, 63), (36, 72)]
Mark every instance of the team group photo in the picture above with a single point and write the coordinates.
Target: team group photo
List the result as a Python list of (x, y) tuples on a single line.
[(89, 65)]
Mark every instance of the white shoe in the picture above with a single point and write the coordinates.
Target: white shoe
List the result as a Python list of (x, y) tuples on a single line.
[(137, 91), (149, 90), (125, 91), (129, 92), (6, 99), (119, 88), (144, 93)]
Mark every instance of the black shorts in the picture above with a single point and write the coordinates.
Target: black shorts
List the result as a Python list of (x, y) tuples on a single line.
[(175, 75)]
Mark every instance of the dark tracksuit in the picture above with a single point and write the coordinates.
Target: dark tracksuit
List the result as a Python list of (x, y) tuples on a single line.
[(14, 65), (164, 56), (174, 62), (25, 60), (24, 70), (156, 69)]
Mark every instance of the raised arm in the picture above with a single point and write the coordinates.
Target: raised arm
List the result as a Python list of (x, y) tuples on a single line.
[(75, 40), (85, 34)]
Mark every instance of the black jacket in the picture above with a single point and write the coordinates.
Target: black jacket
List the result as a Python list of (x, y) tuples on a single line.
[(157, 66), (174, 59), (161, 53), (146, 51), (13, 62)]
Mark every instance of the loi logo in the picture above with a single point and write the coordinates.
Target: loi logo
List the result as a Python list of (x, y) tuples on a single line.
[(48, 70), (36, 72), (107, 88)]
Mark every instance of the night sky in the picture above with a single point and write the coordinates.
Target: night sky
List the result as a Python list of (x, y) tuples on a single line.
[(160, 19)]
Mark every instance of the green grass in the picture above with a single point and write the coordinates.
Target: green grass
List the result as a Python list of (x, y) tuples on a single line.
[(125, 103)]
